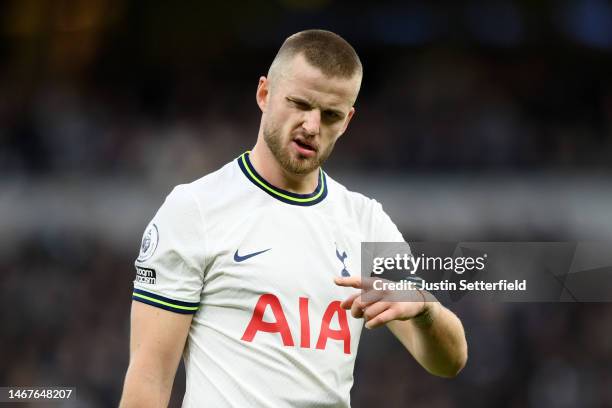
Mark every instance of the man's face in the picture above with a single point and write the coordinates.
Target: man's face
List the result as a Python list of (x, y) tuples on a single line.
[(304, 113)]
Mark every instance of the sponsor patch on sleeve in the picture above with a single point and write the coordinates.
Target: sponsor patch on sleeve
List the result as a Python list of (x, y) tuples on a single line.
[(145, 275)]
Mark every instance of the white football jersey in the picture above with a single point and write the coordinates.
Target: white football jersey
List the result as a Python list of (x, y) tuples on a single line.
[(255, 265)]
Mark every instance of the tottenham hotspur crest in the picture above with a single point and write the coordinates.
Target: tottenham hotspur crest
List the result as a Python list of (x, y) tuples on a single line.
[(342, 256), (149, 243)]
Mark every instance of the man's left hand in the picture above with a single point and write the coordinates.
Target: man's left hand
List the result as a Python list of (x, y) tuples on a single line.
[(377, 309)]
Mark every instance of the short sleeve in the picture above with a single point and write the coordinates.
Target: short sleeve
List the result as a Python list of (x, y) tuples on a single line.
[(384, 228), (171, 262), (386, 232)]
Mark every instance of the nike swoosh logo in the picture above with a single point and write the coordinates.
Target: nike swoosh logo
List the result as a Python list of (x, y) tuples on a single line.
[(239, 258)]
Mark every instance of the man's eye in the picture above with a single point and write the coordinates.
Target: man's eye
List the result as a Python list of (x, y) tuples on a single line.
[(332, 115), (299, 104)]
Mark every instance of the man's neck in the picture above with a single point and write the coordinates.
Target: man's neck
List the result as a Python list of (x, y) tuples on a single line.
[(268, 167)]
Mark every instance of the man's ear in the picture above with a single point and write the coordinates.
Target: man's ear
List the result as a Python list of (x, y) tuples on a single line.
[(263, 90), (347, 120)]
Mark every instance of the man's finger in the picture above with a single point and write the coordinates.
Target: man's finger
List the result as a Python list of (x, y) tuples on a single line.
[(375, 309), (372, 297), (355, 282), (351, 281), (381, 319), (357, 308), (348, 302)]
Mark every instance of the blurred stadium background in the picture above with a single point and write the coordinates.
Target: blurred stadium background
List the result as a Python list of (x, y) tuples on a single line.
[(477, 121)]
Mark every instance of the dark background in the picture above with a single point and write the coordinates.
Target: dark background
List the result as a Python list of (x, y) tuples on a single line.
[(477, 121)]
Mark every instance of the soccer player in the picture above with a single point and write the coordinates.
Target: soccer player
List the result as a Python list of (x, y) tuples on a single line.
[(249, 272)]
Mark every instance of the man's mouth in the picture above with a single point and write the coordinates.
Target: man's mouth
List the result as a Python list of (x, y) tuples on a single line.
[(305, 144)]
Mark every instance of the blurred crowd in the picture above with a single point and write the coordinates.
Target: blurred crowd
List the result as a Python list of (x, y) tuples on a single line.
[(65, 310), (109, 88), (437, 110)]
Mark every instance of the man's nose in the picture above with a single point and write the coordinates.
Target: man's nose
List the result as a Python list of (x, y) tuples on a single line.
[(312, 122)]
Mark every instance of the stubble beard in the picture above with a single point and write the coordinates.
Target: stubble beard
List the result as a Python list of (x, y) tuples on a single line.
[(301, 165)]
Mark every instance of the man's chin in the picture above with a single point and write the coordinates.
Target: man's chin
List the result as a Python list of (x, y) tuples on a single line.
[(301, 169), (301, 165)]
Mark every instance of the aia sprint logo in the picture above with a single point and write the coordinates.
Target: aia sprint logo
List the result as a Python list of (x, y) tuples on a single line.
[(281, 326), (145, 275)]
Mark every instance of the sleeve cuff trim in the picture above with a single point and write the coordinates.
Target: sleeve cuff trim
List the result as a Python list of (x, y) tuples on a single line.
[(164, 303)]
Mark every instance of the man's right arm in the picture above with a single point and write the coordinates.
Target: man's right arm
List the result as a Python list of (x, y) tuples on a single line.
[(157, 340)]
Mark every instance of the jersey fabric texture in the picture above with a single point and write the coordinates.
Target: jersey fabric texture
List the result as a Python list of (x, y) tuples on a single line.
[(255, 265)]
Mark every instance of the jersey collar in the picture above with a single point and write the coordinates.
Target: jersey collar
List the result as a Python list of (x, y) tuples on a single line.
[(285, 196)]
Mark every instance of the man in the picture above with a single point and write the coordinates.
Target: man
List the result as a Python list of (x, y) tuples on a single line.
[(249, 270)]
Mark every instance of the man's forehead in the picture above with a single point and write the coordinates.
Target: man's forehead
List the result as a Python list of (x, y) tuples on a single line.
[(299, 76)]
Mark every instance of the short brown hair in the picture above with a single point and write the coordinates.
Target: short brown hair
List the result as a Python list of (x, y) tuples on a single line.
[(325, 50)]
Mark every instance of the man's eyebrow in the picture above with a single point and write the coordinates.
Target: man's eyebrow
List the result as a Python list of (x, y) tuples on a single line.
[(299, 99), (303, 100)]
